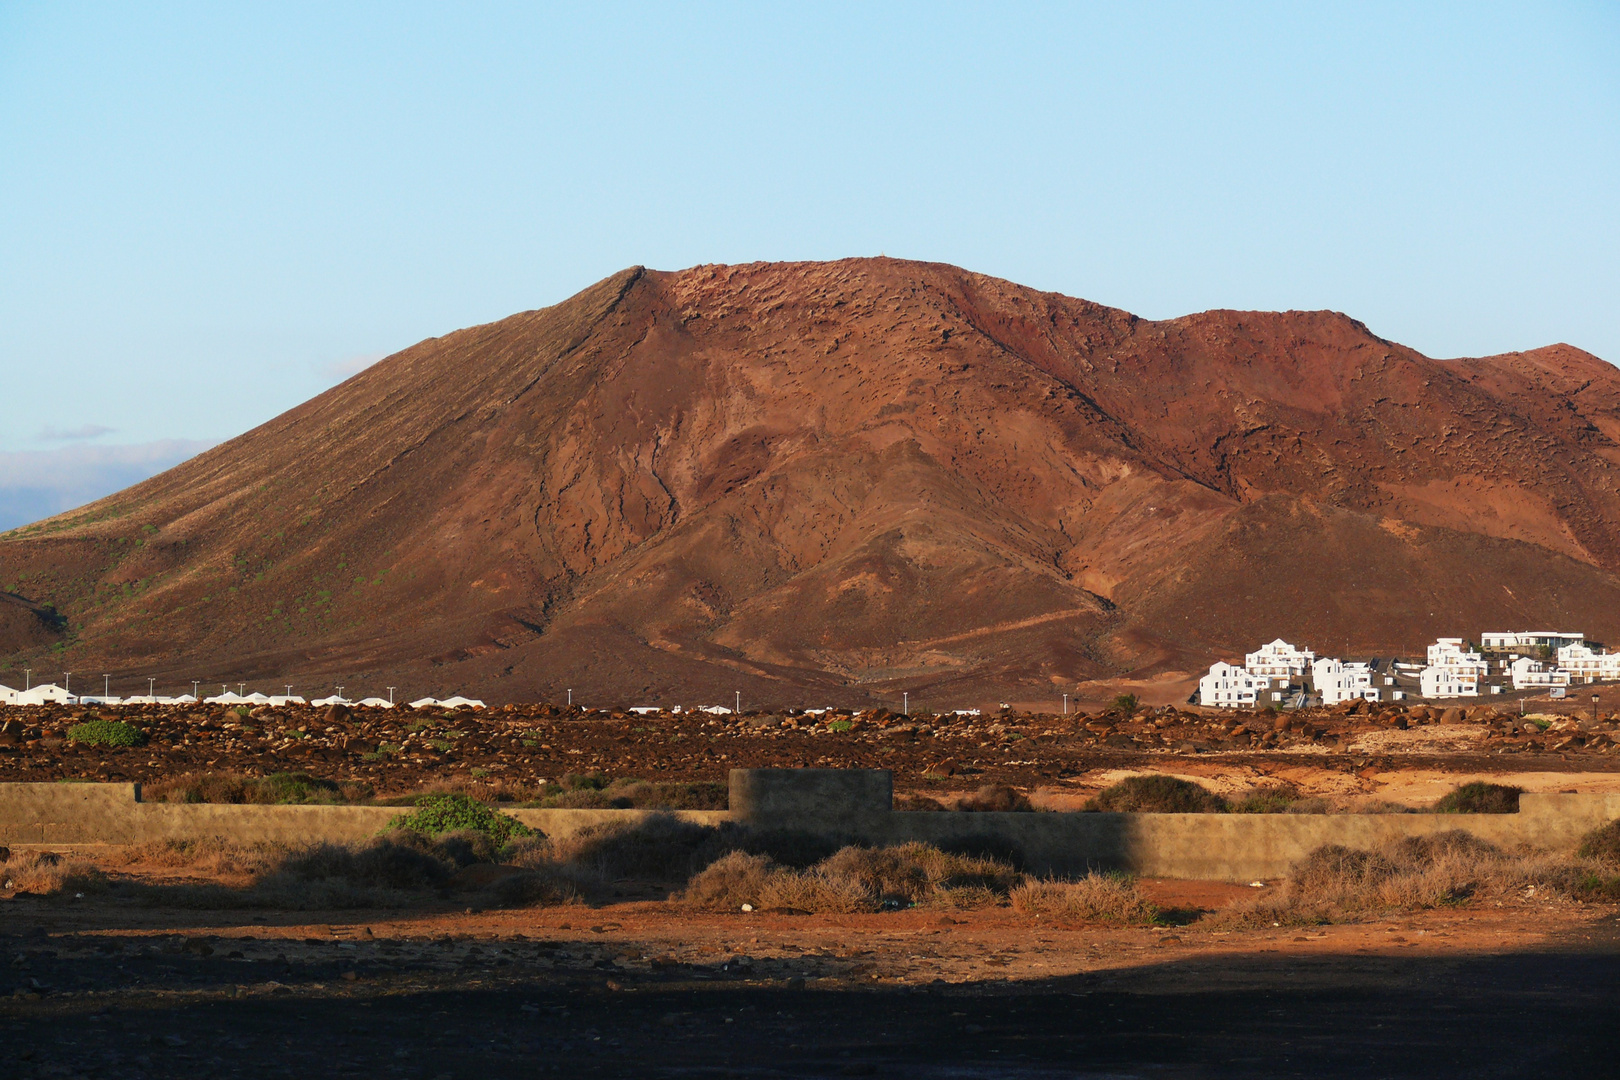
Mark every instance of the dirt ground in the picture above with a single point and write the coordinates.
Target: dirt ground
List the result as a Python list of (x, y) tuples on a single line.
[(100, 988)]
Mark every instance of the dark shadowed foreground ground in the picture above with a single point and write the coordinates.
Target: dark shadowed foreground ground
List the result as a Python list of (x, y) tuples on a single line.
[(579, 991)]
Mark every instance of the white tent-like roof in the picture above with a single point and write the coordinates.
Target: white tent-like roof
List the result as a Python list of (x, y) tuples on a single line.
[(333, 700), (375, 703), (459, 702), (43, 694)]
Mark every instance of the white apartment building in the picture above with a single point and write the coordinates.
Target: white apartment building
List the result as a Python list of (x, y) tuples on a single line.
[(1531, 674), (1438, 681), (1529, 640), (1584, 665), (1278, 659), (1228, 686), (1338, 681), (1452, 671)]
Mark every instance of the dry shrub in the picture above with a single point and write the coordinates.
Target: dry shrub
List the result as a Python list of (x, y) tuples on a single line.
[(658, 848), (1412, 873), (1479, 797), (210, 855), (275, 789), (1093, 898), (852, 879), (1157, 794), (996, 798), (729, 882), (642, 795), (48, 873), (1267, 799), (1602, 844), (1380, 806), (540, 887), (914, 801)]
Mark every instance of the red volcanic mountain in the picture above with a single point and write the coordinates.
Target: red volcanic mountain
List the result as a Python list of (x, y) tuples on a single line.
[(833, 481)]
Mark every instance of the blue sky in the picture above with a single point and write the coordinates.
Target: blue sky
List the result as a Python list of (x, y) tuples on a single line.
[(210, 213)]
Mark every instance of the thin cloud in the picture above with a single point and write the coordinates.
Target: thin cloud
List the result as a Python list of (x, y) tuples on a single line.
[(37, 484), (339, 370), (88, 431)]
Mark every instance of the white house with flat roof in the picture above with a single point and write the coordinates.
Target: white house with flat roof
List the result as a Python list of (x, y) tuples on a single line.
[(1586, 665), (1529, 640), (1531, 674), (1228, 686), (1278, 659), (1337, 680), (1452, 671)]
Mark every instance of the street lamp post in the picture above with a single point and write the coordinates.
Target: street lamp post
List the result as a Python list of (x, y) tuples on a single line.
[(905, 703), (67, 682), (1065, 704), (570, 697), (390, 695), (28, 678), (151, 685), (194, 684), (106, 685), (738, 709), (1594, 708)]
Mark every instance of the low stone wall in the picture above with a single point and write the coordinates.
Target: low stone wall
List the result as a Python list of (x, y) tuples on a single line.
[(114, 814), (846, 804)]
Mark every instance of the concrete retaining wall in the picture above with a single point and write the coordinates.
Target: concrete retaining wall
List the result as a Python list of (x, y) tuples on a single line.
[(851, 804)]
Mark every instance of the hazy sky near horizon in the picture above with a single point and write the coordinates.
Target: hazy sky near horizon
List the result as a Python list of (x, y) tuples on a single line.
[(209, 213)]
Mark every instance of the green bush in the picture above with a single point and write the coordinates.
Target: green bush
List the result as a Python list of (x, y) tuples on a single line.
[(1155, 794), (436, 814), (106, 733), (1125, 703), (840, 726), (1480, 797)]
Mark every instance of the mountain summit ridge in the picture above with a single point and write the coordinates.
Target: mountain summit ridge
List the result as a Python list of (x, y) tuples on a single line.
[(845, 479)]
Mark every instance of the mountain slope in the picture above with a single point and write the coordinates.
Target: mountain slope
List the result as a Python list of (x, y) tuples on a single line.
[(838, 480)]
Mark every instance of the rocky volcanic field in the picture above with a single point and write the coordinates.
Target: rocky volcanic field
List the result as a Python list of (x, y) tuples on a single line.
[(523, 747)]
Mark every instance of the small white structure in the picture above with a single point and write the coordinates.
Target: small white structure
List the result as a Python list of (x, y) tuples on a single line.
[(1585, 665), (456, 702), (715, 710), (333, 700), (643, 710), (279, 700), (1531, 674), (103, 700), (44, 694), (375, 703), (1338, 681), (1228, 686), (1278, 659), (1527, 640), (229, 697)]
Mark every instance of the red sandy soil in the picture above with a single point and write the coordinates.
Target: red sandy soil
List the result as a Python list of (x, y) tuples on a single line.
[(835, 482), (649, 989)]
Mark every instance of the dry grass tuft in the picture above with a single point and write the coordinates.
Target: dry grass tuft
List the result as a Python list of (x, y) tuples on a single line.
[(48, 873), (853, 879), (996, 798), (1095, 898), (1412, 873)]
